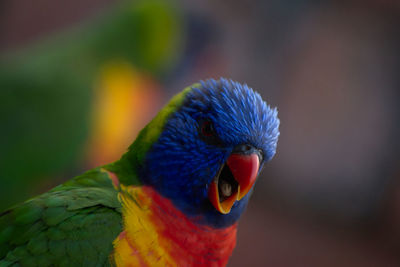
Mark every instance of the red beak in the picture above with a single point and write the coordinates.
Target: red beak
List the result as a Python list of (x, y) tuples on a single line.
[(244, 169)]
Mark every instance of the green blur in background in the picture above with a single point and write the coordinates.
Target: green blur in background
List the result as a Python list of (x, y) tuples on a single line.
[(47, 90)]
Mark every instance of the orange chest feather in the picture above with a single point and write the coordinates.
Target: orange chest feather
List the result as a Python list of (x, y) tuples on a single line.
[(157, 234)]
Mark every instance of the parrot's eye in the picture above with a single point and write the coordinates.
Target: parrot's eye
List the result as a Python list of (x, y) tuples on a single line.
[(207, 129), (208, 134)]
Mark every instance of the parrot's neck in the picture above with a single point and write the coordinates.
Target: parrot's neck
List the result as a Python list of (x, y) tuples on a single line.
[(156, 233)]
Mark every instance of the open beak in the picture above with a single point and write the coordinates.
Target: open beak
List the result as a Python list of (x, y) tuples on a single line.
[(235, 179)]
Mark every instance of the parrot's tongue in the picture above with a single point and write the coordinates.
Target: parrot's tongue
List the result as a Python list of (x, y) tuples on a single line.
[(234, 181)]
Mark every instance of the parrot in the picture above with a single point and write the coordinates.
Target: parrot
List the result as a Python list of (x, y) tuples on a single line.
[(174, 197)]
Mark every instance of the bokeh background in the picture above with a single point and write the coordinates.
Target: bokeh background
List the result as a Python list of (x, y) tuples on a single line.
[(78, 79)]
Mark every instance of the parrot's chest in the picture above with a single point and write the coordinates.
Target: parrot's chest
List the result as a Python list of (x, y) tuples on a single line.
[(157, 234)]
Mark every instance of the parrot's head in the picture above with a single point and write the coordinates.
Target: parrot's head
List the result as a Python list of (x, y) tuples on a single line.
[(207, 147)]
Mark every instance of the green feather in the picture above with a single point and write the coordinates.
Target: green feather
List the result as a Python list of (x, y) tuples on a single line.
[(73, 224)]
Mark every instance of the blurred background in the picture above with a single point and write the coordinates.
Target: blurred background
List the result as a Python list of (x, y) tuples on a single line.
[(78, 79)]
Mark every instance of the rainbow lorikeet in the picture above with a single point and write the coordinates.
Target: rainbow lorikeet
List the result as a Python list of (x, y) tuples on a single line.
[(173, 199)]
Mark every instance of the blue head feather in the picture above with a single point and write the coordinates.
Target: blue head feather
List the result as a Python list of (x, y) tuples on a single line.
[(181, 164)]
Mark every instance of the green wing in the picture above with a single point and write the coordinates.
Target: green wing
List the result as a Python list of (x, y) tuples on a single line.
[(72, 225)]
